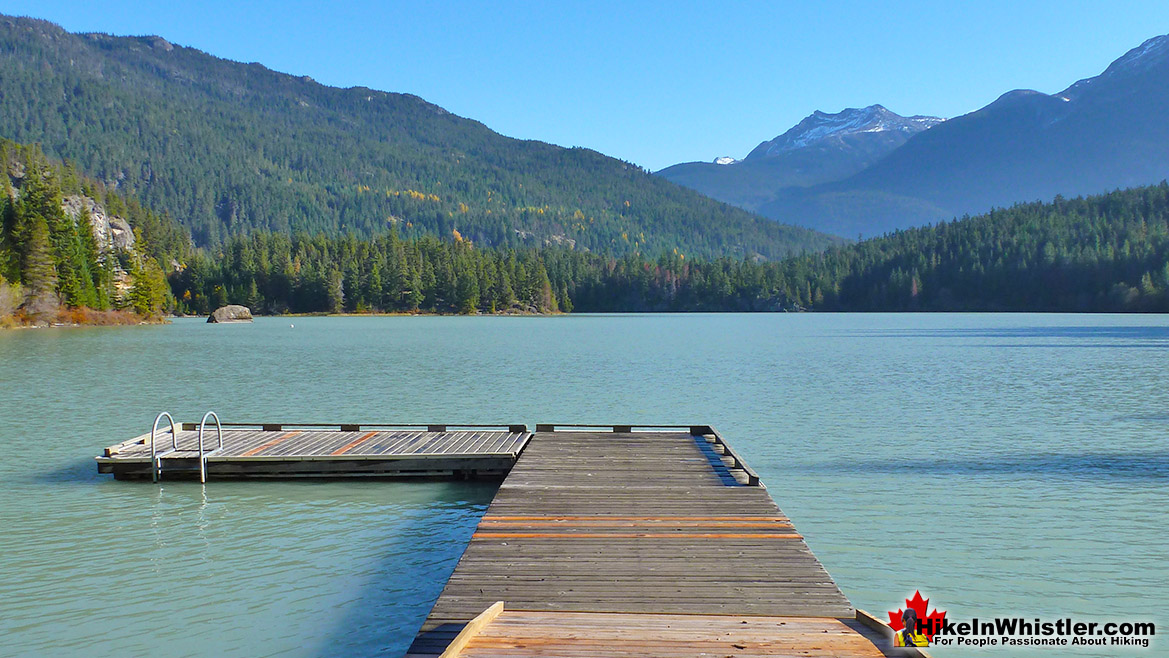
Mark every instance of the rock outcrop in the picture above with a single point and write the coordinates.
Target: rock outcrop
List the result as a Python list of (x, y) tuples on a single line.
[(231, 313), (110, 231)]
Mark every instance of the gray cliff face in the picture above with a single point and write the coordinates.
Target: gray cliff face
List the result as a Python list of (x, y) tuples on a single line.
[(231, 313), (110, 231)]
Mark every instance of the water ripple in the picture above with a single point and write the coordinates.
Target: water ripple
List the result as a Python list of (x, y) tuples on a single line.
[(1037, 477)]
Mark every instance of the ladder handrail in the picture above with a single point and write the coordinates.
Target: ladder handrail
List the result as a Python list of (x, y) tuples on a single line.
[(219, 433), (155, 465)]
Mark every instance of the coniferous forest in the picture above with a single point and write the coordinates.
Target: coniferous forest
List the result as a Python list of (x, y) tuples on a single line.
[(61, 252), (1108, 252), (230, 148), (1102, 253)]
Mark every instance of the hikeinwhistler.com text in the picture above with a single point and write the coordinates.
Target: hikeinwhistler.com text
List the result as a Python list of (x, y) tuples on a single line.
[(1019, 632)]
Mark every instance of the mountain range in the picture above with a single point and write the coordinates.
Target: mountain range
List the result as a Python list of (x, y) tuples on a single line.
[(820, 149), (231, 148), (867, 172)]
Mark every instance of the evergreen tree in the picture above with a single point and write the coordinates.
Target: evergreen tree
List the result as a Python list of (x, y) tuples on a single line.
[(148, 290), (336, 292), (39, 273)]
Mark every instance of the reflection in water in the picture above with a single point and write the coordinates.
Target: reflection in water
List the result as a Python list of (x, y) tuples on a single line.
[(202, 524)]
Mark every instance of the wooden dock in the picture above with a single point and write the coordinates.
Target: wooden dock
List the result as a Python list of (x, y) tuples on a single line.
[(284, 450), (623, 543), (602, 541)]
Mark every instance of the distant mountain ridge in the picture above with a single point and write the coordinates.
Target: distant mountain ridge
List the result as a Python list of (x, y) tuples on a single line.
[(230, 148), (1101, 133), (819, 127), (820, 149)]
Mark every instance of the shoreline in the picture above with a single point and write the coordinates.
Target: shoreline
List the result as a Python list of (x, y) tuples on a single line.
[(392, 314), (82, 317), (126, 319)]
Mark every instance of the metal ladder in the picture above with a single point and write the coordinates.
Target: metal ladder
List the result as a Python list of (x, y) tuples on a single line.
[(156, 456)]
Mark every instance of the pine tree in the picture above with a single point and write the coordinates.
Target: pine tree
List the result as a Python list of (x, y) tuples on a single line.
[(504, 295), (253, 299), (467, 294), (100, 278), (9, 253), (413, 295), (39, 273), (336, 292), (148, 288), (565, 302), (374, 288)]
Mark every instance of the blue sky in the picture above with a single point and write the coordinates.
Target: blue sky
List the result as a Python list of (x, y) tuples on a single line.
[(654, 83)]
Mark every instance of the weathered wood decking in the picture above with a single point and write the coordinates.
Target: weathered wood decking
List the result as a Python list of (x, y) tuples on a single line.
[(266, 450), (599, 542), (648, 544), (520, 634)]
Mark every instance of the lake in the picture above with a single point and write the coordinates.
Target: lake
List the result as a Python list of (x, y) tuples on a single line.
[(1005, 465)]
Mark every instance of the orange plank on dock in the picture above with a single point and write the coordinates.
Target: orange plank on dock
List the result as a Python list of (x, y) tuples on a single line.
[(649, 529)]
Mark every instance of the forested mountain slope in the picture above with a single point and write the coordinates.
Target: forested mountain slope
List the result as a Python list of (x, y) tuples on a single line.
[(1100, 253), (230, 148), (1104, 253)]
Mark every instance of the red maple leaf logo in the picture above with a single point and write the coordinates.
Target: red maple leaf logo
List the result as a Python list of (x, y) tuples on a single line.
[(929, 623)]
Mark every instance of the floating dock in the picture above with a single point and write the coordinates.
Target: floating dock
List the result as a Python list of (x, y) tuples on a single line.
[(245, 450), (601, 541)]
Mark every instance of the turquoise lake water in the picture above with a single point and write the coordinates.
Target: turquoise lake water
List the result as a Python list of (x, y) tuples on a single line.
[(1002, 464)]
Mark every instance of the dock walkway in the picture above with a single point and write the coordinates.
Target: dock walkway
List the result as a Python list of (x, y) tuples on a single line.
[(600, 542), (639, 543)]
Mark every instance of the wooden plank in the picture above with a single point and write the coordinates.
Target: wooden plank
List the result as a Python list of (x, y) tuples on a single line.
[(472, 629), (519, 633), (613, 522), (354, 443), (269, 444), (877, 624)]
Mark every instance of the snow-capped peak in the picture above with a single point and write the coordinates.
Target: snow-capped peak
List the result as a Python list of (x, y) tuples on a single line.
[(1151, 53), (819, 126), (725, 160)]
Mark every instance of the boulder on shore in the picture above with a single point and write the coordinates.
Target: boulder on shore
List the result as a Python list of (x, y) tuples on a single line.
[(231, 313)]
